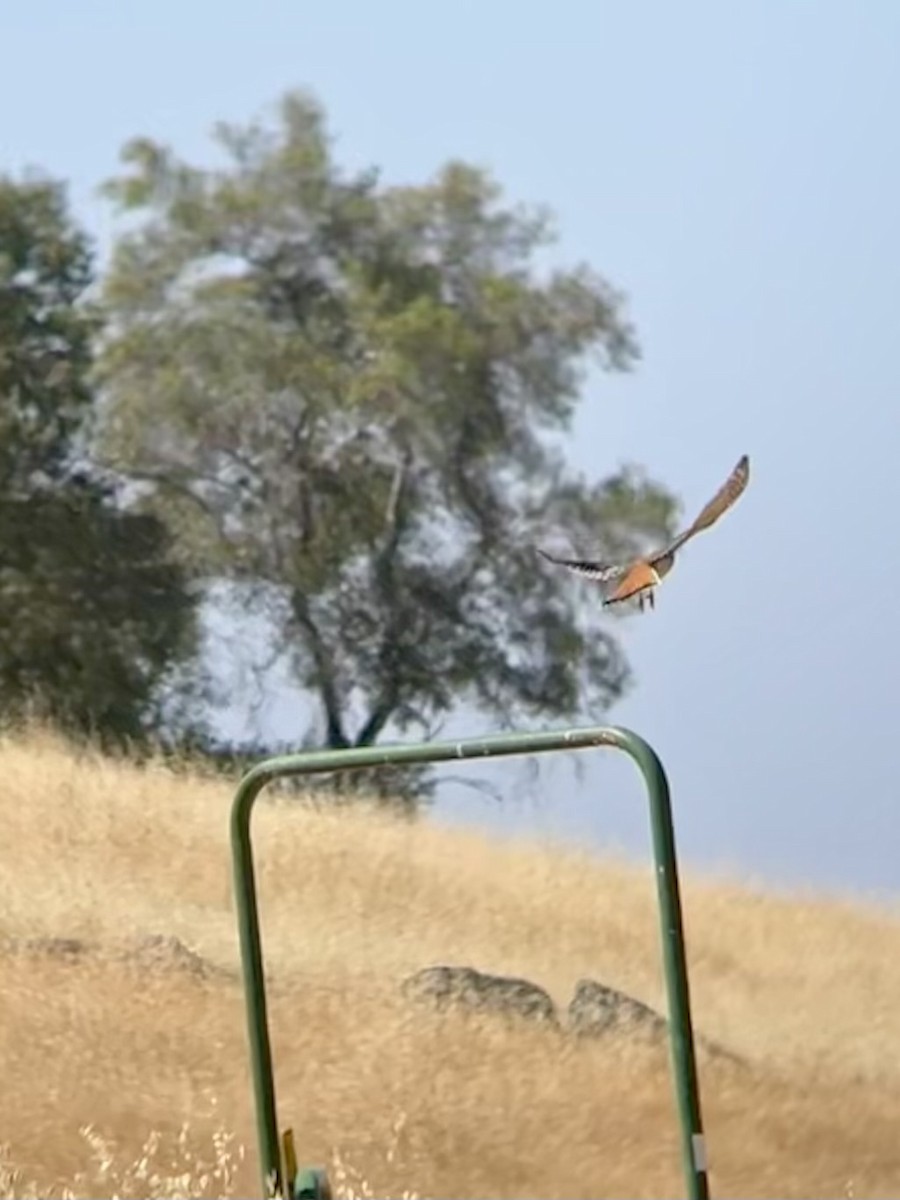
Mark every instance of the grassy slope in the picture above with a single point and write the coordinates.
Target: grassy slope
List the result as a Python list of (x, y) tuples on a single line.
[(808, 991)]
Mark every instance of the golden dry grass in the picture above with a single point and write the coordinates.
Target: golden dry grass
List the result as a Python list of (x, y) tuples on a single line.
[(806, 990)]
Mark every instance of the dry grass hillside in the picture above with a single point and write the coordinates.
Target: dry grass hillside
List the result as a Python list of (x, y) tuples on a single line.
[(128, 1076)]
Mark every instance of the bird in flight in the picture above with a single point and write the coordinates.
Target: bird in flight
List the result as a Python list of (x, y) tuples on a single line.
[(638, 578)]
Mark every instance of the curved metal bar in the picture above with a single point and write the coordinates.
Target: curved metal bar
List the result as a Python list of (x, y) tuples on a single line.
[(671, 925)]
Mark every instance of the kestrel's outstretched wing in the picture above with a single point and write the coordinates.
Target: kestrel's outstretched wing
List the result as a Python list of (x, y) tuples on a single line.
[(727, 495), (604, 573)]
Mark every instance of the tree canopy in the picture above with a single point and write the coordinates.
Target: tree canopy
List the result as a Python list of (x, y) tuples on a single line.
[(45, 339), (346, 397), (94, 612)]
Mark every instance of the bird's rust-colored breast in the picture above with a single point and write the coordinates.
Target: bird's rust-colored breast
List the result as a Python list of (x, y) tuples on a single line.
[(636, 579)]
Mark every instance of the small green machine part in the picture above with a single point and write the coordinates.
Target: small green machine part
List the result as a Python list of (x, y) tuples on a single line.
[(281, 1177), (305, 1183)]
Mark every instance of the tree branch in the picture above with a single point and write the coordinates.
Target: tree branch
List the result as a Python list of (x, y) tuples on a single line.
[(325, 677), (396, 513)]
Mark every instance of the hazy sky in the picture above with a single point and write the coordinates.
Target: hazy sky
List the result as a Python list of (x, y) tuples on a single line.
[(736, 170)]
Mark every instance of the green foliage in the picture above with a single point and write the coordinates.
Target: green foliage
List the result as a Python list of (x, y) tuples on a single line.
[(93, 611), (343, 395), (45, 340), (92, 614)]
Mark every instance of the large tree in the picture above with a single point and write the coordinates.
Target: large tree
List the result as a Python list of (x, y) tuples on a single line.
[(343, 395), (94, 612)]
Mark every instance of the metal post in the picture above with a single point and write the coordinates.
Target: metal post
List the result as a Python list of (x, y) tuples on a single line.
[(255, 980), (681, 1039), (674, 963)]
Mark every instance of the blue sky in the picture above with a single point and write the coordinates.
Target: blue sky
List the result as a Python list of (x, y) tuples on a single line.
[(736, 170)]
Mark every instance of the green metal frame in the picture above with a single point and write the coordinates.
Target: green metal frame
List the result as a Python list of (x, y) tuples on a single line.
[(674, 964)]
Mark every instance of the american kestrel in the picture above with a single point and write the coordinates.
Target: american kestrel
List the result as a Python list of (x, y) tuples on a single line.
[(639, 577)]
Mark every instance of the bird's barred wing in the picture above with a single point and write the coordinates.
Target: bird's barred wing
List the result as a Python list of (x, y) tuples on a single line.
[(727, 495), (604, 573)]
